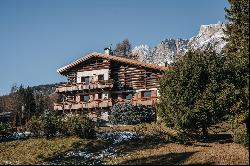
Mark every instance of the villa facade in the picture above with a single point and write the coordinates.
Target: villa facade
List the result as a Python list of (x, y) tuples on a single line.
[(98, 81)]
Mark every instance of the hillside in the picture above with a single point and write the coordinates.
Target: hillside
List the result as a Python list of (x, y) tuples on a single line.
[(44, 89), (144, 144)]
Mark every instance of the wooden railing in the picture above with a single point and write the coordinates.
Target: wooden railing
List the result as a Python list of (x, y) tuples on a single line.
[(82, 86), (83, 105), (102, 103), (142, 101)]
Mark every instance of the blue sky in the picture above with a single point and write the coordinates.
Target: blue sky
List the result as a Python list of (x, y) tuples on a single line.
[(39, 36)]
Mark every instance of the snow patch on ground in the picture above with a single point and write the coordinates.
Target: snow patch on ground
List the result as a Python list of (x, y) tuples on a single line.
[(96, 158), (118, 137), (16, 136)]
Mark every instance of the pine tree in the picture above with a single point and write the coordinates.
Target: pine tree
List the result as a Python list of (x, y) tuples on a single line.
[(236, 87), (27, 100), (190, 93), (237, 29)]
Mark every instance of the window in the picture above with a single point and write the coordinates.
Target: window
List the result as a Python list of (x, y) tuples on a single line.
[(85, 79), (85, 98), (98, 96), (105, 95), (101, 77), (91, 79), (114, 95), (128, 96), (148, 75), (146, 94)]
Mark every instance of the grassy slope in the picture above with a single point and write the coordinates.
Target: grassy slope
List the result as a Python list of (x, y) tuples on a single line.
[(218, 150), (39, 149), (147, 151), (172, 153)]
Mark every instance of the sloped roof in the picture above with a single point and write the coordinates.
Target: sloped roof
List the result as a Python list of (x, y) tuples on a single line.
[(110, 57)]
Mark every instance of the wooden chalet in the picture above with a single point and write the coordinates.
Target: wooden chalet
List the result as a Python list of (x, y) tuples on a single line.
[(98, 81)]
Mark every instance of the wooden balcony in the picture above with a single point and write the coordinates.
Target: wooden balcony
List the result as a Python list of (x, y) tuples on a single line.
[(81, 87), (143, 101), (146, 101), (83, 105), (103, 103)]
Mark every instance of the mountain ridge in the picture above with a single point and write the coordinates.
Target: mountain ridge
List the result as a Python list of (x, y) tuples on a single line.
[(168, 50)]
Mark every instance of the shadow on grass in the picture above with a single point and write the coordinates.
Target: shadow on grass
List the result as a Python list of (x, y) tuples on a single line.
[(211, 138), (165, 159), (207, 163), (91, 155), (62, 159), (154, 142), (141, 144), (79, 153), (128, 147), (220, 138)]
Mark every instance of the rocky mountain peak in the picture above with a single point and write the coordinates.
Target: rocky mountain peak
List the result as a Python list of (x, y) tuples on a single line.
[(168, 50), (211, 29), (209, 35)]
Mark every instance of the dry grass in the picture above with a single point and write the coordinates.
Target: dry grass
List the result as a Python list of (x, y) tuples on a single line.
[(37, 150), (145, 129), (198, 153), (147, 151), (219, 150), (32, 150)]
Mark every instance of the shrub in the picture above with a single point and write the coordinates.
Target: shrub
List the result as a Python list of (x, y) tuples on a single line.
[(46, 125), (83, 127), (66, 127), (5, 129), (129, 115), (36, 126), (52, 125), (240, 136)]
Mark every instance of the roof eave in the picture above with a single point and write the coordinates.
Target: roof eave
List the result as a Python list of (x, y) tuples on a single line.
[(64, 69)]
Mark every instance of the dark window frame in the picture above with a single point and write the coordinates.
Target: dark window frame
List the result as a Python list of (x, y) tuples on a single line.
[(84, 99), (83, 79), (146, 92), (99, 96), (100, 77)]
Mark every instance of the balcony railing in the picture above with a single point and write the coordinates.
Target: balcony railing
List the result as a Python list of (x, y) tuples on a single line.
[(83, 105), (82, 86), (142, 101), (103, 103)]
